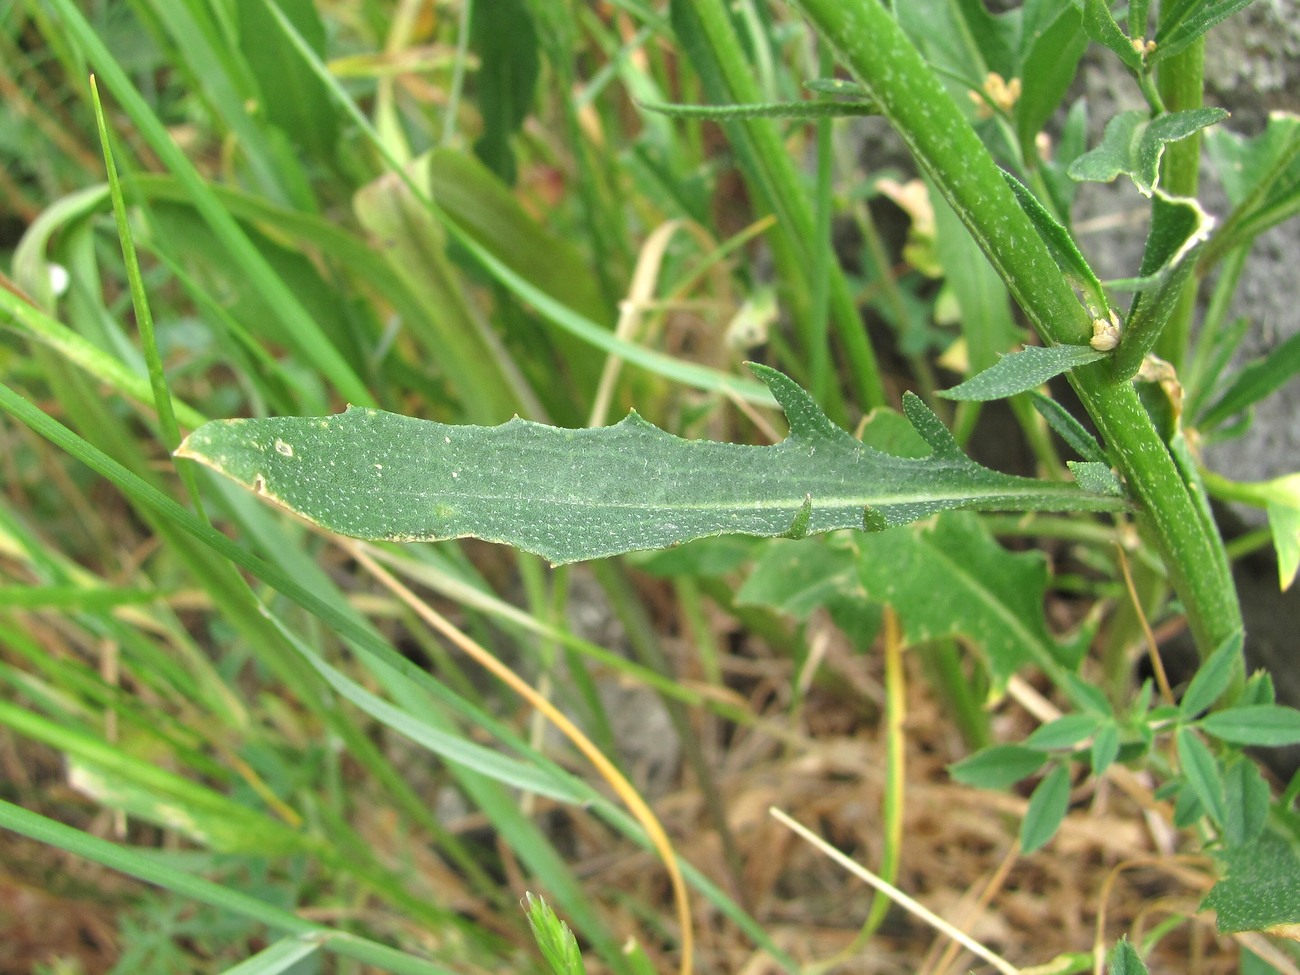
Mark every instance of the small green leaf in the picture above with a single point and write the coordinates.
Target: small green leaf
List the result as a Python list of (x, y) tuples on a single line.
[(1047, 808), (998, 766), (558, 945), (791, 110), (838, 86), (1105, 747), (1259, 690), (1069, 429), (1247, 799), (799, 524), (1064, 250), (1213, 677), (1188, 808), (1280, 498), (1065, 732), (1102, 28), (1096, 477), (1261, 889), (1189, 22), (581, 494), (1202, 771), (1258, 724), (1134, 142), (1124, 960), (1086, 696), (1284, 523), (1021, 371)]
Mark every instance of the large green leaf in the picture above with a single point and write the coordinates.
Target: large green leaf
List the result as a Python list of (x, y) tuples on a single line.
[(581, 494), (1262, 888), (948, 577)]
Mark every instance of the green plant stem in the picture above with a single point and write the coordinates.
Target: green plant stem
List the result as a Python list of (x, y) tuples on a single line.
[(1182, 84), (950, 153)]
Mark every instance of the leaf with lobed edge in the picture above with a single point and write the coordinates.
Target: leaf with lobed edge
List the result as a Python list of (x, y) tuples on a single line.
[(570, 495)]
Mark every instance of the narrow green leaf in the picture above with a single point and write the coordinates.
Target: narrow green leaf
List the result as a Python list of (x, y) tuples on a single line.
[(1280, 498), (1061, 243), (1124, 960), (1134, 142), (580, 494), (1105, 747), (1203, 773), (1212, 678), (1047, 808), (1246, 797), (1021, 371), (791, 110), (1261, 889), (1260, 175), (446, 745), (285, 957), (1176, 33), (1052, 43), (1256, 381), (413, 243), (1065, 732), (483, 206), (1255, 724), (998, 766), (1069, 429)]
